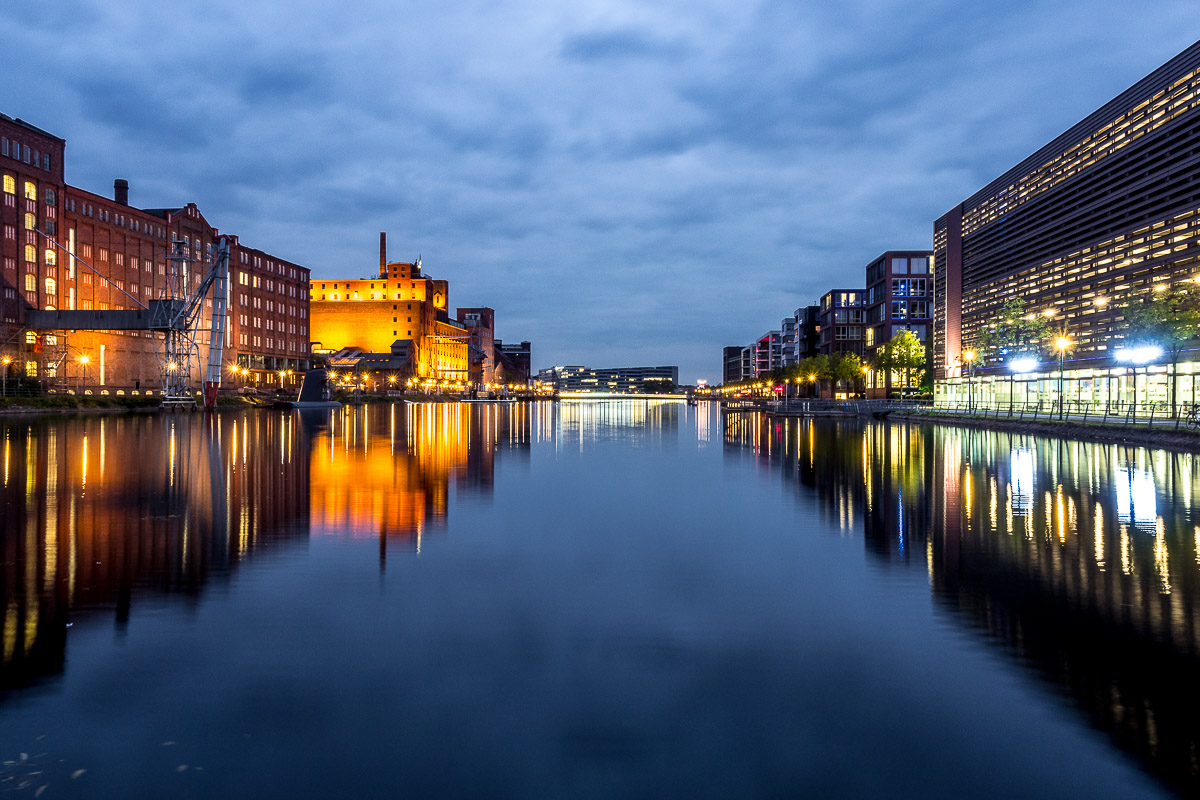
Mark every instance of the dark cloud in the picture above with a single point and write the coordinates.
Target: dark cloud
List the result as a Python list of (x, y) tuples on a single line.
[(619, 45), (623, 182)]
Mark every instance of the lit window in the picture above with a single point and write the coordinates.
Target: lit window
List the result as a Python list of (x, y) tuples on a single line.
[(31, 283), (10, 184), (30, 191), (31, 253), (30, 222), (51, 286), (51, 257)]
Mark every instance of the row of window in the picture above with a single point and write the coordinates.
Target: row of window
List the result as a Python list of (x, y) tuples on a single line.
[(25, 153)]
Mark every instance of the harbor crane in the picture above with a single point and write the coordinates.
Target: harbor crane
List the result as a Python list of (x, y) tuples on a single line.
[(175, 314)]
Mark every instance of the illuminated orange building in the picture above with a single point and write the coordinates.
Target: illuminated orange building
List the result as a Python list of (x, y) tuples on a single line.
[(400, 305)]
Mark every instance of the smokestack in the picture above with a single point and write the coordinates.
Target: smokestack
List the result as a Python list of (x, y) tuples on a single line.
[(382, 254), (121, 191)]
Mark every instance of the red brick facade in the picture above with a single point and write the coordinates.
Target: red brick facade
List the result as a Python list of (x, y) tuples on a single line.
[(66, 248)]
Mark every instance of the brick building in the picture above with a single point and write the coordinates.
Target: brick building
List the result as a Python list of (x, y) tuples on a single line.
[(481, 344), (66, 248), (401, 304)]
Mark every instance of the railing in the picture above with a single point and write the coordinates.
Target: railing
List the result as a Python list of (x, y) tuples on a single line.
[(818, 406), (1151, 414)]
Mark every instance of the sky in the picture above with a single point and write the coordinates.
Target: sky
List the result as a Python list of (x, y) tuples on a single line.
[(626, 183)]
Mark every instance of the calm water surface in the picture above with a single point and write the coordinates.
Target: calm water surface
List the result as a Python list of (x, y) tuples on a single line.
[(591, 600)]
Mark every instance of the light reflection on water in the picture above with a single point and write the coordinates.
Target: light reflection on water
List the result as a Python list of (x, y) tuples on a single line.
[(1082, 559), (587, 598)]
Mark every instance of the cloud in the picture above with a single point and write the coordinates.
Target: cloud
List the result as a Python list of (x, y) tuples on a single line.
[(623, 182), (620, 45)]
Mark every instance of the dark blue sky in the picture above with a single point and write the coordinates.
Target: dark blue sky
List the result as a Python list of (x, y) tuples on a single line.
[(625, 183)]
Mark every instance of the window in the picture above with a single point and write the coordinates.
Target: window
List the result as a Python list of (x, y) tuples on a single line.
[(51, 257), (31, 253), (899, 287), (899, 309), (899, 266), (918, 266), (31, 369), (918, 309), (51, 286), (31, 285), (10, 184), (31, 222), (51, 227), (49, 197), (30, 190)]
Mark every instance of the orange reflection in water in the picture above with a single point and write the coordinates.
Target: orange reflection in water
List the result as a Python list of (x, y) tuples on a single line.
[(387, 471)]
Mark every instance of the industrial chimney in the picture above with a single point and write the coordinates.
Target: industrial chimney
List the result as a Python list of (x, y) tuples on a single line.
[(121, 191), (382, 254)]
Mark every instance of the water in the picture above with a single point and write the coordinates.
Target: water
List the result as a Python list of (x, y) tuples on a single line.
[(590, 600)]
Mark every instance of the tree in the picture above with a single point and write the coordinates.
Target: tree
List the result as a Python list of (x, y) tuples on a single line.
[(904, 353), (846, 367), (1168, 319), (1014, 331), (814, 369), (657, 386)]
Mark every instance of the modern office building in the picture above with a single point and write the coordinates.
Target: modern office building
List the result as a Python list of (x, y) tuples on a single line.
[(808, 332), (768, 353), (622, 380), (732, 358), (65, 248), (1099, 218), (843, 318), (899, 298)]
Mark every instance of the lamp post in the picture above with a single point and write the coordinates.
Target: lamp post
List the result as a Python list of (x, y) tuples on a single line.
[(1061, 343), (969, 357), (83, 362), (866, 370), (7, 360)]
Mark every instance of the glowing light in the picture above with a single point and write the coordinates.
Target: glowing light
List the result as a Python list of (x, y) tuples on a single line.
[(1062, 343), (1023, 364), (1138, 355), (82, 360), (968, 356)]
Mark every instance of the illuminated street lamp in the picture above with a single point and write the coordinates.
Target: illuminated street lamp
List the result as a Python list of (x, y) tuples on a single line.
[(1061, 343), (83, 362), (969, 356), (4, 381)]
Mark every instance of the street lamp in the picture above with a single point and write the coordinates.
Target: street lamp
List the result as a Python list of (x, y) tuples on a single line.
[(812, 378), (969, 357), (7, 360), (83, 361), (1061, 343)]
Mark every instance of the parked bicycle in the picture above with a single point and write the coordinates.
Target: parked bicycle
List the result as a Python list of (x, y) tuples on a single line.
[(1192, 416)]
